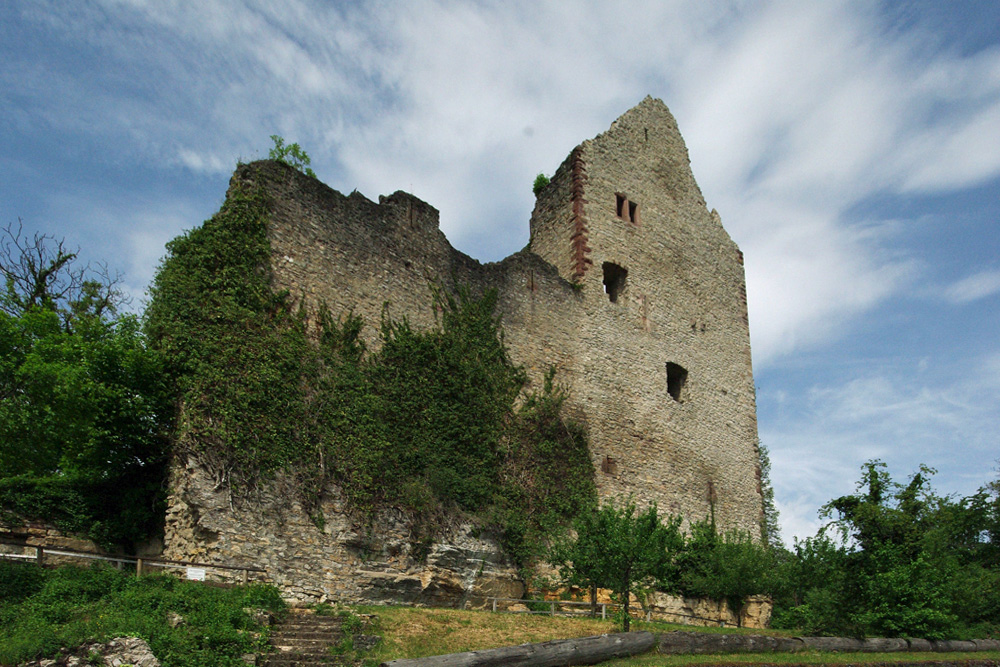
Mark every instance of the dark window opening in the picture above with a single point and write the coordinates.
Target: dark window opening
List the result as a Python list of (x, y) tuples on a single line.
[(676, 379), (614, 280), (625, 209), (609, 466)]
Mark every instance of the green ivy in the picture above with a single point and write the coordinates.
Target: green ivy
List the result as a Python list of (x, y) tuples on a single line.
[(426, 423)]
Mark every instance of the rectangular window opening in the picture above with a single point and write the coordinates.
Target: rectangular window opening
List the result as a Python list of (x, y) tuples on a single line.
[(633, 212), (676, 379), (620, 203), (614, 280)]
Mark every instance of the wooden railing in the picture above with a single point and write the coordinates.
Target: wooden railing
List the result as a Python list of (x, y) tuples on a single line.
[(195, 571), (556, 608)]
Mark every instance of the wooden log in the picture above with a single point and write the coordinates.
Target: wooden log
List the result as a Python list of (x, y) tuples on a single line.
[(919, 645), (834, 644), (951, 645), (701, 642), (885, 645), (987, 644), (582, 651)]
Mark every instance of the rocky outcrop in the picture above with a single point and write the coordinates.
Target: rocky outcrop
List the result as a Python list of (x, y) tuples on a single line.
[(335, 559), (119, 652)]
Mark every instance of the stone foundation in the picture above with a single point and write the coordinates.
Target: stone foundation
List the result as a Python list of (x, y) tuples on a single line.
[(337, 562)]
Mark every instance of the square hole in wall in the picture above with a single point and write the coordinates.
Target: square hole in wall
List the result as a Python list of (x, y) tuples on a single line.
[(676, 379), (614, 280)]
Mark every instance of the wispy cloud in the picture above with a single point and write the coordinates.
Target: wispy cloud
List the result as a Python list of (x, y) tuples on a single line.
[(975, 287), (943, 415), (794, 114)]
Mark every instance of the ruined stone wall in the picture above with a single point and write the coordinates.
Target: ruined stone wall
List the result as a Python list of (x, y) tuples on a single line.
[(682, 300), (625, 200)]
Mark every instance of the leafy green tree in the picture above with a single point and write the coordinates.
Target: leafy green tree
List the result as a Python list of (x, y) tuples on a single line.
[(907, 563), (83, 404), (770, 528), (729, 566), (620, 548), (291, 154)]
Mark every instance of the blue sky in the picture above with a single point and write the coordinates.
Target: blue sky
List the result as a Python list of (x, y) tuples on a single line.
[(852, 149)]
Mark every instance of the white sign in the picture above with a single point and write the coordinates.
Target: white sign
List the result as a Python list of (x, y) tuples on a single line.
[(196, 573)]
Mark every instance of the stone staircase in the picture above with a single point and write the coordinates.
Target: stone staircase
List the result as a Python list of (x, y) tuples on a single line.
[(306, 640)]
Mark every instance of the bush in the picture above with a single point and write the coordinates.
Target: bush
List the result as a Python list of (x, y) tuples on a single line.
[(71, 606)]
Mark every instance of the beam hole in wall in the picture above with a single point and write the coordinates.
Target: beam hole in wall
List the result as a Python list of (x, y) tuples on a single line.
[(614, 280), (676, 379), (609, 466)]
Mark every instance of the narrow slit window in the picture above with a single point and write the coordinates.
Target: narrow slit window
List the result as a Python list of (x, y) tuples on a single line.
[(633, 212), (676, 379), (614, 280), (621, 205)]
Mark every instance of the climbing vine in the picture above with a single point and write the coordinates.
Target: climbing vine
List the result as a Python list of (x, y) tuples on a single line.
[(426, 423)]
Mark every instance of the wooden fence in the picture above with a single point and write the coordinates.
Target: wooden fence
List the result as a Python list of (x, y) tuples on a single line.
[(143, 565)]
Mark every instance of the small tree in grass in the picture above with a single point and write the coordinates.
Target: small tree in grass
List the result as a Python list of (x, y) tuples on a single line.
[(620, 548)]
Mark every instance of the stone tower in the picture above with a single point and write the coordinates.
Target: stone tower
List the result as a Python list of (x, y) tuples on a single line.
[(630, 288), (663, 371)]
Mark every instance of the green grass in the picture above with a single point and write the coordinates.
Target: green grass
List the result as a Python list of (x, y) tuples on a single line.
[(42, 611), (418, 632), (802, 658)]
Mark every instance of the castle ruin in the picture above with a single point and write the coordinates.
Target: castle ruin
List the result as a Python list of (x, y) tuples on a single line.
[(629, 286)]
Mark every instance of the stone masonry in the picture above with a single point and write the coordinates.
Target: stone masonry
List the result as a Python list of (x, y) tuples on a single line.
[(629, 286)]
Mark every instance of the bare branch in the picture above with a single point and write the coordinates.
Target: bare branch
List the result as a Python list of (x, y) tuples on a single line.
[(39, 271)]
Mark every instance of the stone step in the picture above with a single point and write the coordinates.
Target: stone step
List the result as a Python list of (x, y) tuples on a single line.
[(308, 634), (304, 640)]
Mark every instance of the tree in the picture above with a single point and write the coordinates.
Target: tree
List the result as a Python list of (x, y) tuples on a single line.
[(292, 155), (40, 272), (729, 566), (908, 563), (769, 527), (619, 548), (83, 408)]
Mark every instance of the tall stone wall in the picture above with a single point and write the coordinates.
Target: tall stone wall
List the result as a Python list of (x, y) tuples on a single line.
[(630, 287)]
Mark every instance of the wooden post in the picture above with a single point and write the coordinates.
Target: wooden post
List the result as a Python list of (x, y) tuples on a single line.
[(552, 607), (246, 577), (40, 556), (138, 567), (494, 604), (604, 612)]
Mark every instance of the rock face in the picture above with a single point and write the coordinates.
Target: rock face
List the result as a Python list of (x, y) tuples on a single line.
[(630, 287), (335, 562)]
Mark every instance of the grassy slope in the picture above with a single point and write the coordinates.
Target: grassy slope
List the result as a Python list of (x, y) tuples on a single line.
[(416, 632)]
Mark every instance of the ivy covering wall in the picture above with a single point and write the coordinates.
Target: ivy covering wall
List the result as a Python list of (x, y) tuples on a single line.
[(433, 421)]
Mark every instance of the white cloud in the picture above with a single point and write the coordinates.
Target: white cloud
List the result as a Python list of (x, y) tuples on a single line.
[(942, 414), (975, 287), (794, 114)]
